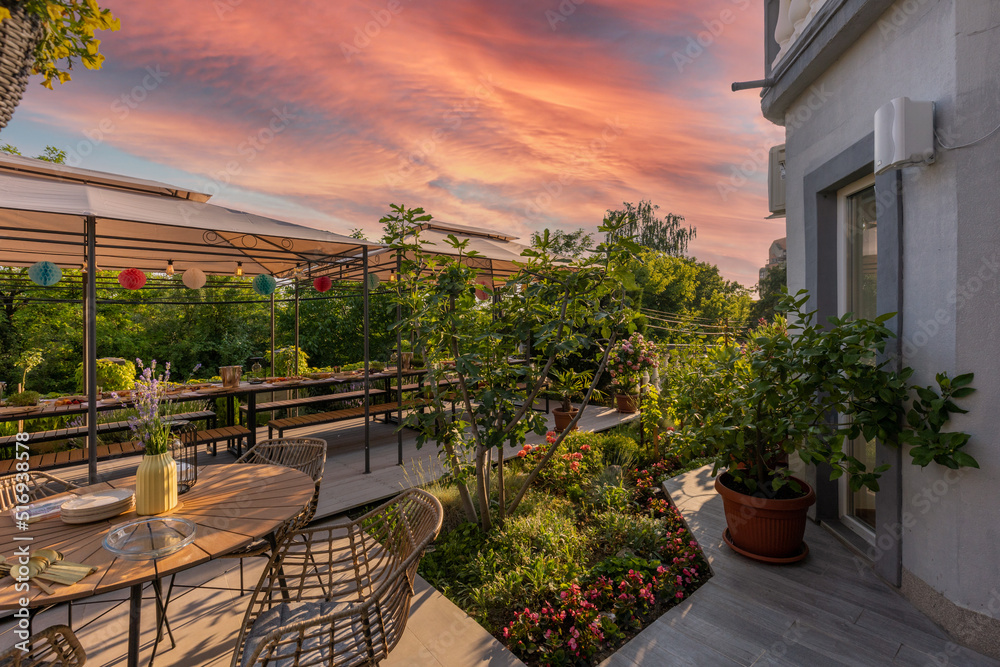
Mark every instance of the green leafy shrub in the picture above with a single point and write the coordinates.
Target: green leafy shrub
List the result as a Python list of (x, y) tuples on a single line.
[(112, 374), (616, 530), (23, 399), (284, 361), (618, 449)]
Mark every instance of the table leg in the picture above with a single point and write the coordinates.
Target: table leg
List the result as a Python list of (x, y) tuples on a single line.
[(252, 419), (134, 630)]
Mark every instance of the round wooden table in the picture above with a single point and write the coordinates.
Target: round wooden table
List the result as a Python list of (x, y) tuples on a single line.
[(232, 506)]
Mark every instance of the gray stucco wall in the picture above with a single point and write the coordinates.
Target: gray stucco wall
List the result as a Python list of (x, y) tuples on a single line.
[(947, 51)]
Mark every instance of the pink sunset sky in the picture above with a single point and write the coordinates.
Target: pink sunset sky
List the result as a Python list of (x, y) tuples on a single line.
[(515, 115)]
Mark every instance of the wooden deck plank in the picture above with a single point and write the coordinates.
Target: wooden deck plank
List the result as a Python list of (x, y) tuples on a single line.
[(826, 610)]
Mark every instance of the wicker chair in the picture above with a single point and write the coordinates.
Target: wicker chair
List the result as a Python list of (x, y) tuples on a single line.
[(53, 647), (39, 485), (306, 455), (340, 595)]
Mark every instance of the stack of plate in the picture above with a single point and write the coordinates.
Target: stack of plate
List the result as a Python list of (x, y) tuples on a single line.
[(98, 506)]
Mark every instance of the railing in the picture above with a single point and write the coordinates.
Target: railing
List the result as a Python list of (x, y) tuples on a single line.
[(793, 18)]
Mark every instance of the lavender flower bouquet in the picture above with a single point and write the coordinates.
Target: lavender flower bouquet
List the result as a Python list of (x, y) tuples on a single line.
[(150, 427)]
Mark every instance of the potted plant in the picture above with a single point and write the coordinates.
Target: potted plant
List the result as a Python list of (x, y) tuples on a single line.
[(36, 36), (629, 359), (807, 392), (156, 477), (567, 385)]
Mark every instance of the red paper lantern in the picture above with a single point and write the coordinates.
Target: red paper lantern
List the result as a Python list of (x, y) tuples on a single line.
[(322, 284), (132, 279)]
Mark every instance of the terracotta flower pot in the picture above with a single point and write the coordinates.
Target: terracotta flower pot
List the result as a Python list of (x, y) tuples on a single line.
[(563, 418), (156, 485), (765, 529), (627, 403)]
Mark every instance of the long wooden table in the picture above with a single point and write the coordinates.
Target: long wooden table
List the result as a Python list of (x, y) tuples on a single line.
[(232, 506)]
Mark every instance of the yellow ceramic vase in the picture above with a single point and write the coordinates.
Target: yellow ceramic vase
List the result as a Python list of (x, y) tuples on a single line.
[(156, 485)]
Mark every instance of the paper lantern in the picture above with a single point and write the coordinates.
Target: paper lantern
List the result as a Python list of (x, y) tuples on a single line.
[(264, 284), (194, 278), (485, 281), (45, 273), (372, 281), (322, 284), (132, 279)]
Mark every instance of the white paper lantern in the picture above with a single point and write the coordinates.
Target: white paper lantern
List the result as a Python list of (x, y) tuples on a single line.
[(194, 278)]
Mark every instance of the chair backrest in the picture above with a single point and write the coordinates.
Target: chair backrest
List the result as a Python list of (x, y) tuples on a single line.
[(39, 485), (306, 455), (324, 585)]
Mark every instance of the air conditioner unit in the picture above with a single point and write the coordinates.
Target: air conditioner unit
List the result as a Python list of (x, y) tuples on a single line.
[(776, 181), (904, 134)]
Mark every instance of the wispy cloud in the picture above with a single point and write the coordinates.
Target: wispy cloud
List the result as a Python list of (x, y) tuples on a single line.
[(467, 109)]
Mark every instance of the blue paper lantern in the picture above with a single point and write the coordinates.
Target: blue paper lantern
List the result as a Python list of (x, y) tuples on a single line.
[(45, 273), (264, 284)]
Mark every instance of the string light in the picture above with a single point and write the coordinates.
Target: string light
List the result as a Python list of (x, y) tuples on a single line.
[(239, 269), (170, 267)]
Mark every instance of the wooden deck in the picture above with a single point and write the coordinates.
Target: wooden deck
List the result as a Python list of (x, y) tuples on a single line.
[(345, 486), (827, 610)]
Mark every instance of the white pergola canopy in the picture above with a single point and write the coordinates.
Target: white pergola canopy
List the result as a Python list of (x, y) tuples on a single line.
[(142, 224)]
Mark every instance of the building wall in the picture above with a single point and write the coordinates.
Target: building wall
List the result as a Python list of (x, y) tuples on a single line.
[(947, 51)]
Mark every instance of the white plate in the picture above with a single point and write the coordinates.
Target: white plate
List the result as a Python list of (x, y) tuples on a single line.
[(98, 500)]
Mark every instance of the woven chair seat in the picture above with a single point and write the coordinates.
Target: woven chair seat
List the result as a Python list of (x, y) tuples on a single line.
[(339, 595), (317, 648)]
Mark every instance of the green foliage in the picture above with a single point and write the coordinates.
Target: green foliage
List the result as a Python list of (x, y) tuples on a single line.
[(285, 361), (23, 398), (781, 388), (566, 244), (68, 28), (112, 375), (770, 291), (640, 224), (570, 384), (28, 361), (565, 307), (651, 412)]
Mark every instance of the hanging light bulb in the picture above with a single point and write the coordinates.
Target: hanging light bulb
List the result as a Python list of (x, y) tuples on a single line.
[(170, 267), (239, 269)]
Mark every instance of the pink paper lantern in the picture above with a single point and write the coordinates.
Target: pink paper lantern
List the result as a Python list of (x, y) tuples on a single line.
[(322, 284), (132, 279)]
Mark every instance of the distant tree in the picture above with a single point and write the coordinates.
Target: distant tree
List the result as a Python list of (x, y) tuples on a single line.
[(568, 244), (770, 290), (358, 233), (666, 235), (50, 154)]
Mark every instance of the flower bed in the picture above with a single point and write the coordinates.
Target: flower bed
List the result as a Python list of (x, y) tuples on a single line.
[(593, 555)]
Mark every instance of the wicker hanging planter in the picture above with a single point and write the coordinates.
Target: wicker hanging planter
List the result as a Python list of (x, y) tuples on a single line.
[(18, 37)]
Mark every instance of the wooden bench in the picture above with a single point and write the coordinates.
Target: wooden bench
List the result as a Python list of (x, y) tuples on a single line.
[(282, 425), (102, 429), (69, 457), (233, 435), (287, 403)]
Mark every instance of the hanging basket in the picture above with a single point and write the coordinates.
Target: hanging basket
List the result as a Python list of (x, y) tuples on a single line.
[(18, 37)]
